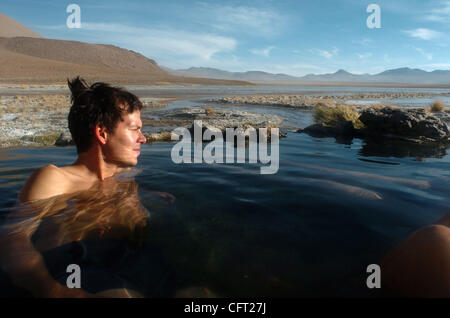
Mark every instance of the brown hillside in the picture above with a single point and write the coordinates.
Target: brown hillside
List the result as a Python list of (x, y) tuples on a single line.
[(24, 59), (11, 28), (27, 57), (98, 55)]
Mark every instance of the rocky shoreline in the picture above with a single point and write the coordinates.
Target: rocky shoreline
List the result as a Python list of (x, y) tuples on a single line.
[(217, 120), (38, 120), (41, 120)]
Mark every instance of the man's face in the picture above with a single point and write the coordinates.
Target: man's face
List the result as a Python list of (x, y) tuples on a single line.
[(123, 145)]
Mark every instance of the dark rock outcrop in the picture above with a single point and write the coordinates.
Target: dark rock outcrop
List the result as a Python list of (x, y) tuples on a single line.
[(412, 123)]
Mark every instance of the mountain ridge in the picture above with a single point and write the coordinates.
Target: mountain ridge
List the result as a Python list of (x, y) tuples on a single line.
[(398, 75)]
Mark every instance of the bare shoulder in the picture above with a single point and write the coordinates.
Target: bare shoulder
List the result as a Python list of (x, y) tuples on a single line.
[(44, 183)]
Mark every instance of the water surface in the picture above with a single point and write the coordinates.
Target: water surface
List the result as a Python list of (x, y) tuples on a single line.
[(333, 208)]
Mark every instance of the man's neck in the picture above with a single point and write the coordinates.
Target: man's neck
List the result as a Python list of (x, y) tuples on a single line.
[(94, 165)]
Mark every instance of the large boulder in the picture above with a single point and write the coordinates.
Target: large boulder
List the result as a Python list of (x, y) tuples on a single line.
[(412, 123)]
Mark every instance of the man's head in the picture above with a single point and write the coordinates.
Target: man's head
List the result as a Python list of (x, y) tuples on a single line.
[(106, 115)]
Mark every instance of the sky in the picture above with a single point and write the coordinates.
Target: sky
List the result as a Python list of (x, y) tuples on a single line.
[(294, 37)]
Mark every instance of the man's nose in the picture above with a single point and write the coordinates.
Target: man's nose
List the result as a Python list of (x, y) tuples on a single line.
[(142, 138)]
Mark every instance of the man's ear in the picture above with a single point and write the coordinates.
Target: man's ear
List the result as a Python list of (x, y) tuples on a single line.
[(100, 134)]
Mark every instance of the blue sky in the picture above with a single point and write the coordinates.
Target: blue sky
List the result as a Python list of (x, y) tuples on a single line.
[(279, 36)]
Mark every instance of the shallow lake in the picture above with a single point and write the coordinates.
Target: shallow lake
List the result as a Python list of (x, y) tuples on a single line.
[(312, 229)]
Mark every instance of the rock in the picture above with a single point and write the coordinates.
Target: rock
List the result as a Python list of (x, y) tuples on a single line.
[(160, 136), (64, 139), (321, 130), (221, 119), (244, 132), (411, 123)]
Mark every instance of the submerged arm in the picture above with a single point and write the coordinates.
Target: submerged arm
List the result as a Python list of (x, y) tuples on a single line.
[(24, 264)]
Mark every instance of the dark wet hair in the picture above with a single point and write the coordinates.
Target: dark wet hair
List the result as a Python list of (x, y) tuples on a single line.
[(100, 104)]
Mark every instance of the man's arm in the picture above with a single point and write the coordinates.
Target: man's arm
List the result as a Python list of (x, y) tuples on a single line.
[(23, 263)]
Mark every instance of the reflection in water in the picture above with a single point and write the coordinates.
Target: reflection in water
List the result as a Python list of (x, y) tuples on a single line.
[(100, 229), (401, 149), (386, 147), (382, 147)]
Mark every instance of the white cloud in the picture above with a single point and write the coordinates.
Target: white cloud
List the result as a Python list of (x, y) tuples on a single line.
[(424, 34), (429, 56), (263, 52), (160, 42), (363, 56), (327, 54), (364, 41), (441, 14), (437, 66), (50, 27), (249, 20)]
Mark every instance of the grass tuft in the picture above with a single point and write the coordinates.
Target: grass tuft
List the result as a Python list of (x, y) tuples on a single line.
[(210, 111), (437, 106), (331, 116), (325, 103)]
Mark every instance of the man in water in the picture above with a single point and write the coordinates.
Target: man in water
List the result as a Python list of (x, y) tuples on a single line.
[(105, 123)]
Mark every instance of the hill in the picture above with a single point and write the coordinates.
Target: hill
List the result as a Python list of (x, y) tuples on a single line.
[(26, 56), (11, 28), (403, 75)]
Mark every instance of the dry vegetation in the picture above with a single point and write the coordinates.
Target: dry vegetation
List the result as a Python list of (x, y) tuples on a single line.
[(29, 104), (331, 116), (210, 111), (437, 106), (325, 103)]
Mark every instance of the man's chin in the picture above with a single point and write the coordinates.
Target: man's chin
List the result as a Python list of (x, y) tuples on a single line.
[(126, 164)]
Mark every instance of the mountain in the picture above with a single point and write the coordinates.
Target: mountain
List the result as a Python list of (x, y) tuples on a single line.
[(401, 75), (34, 59), (84, 54), (11, 28), (25, 56), (339, 76), (220, 74), (407, 75)]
